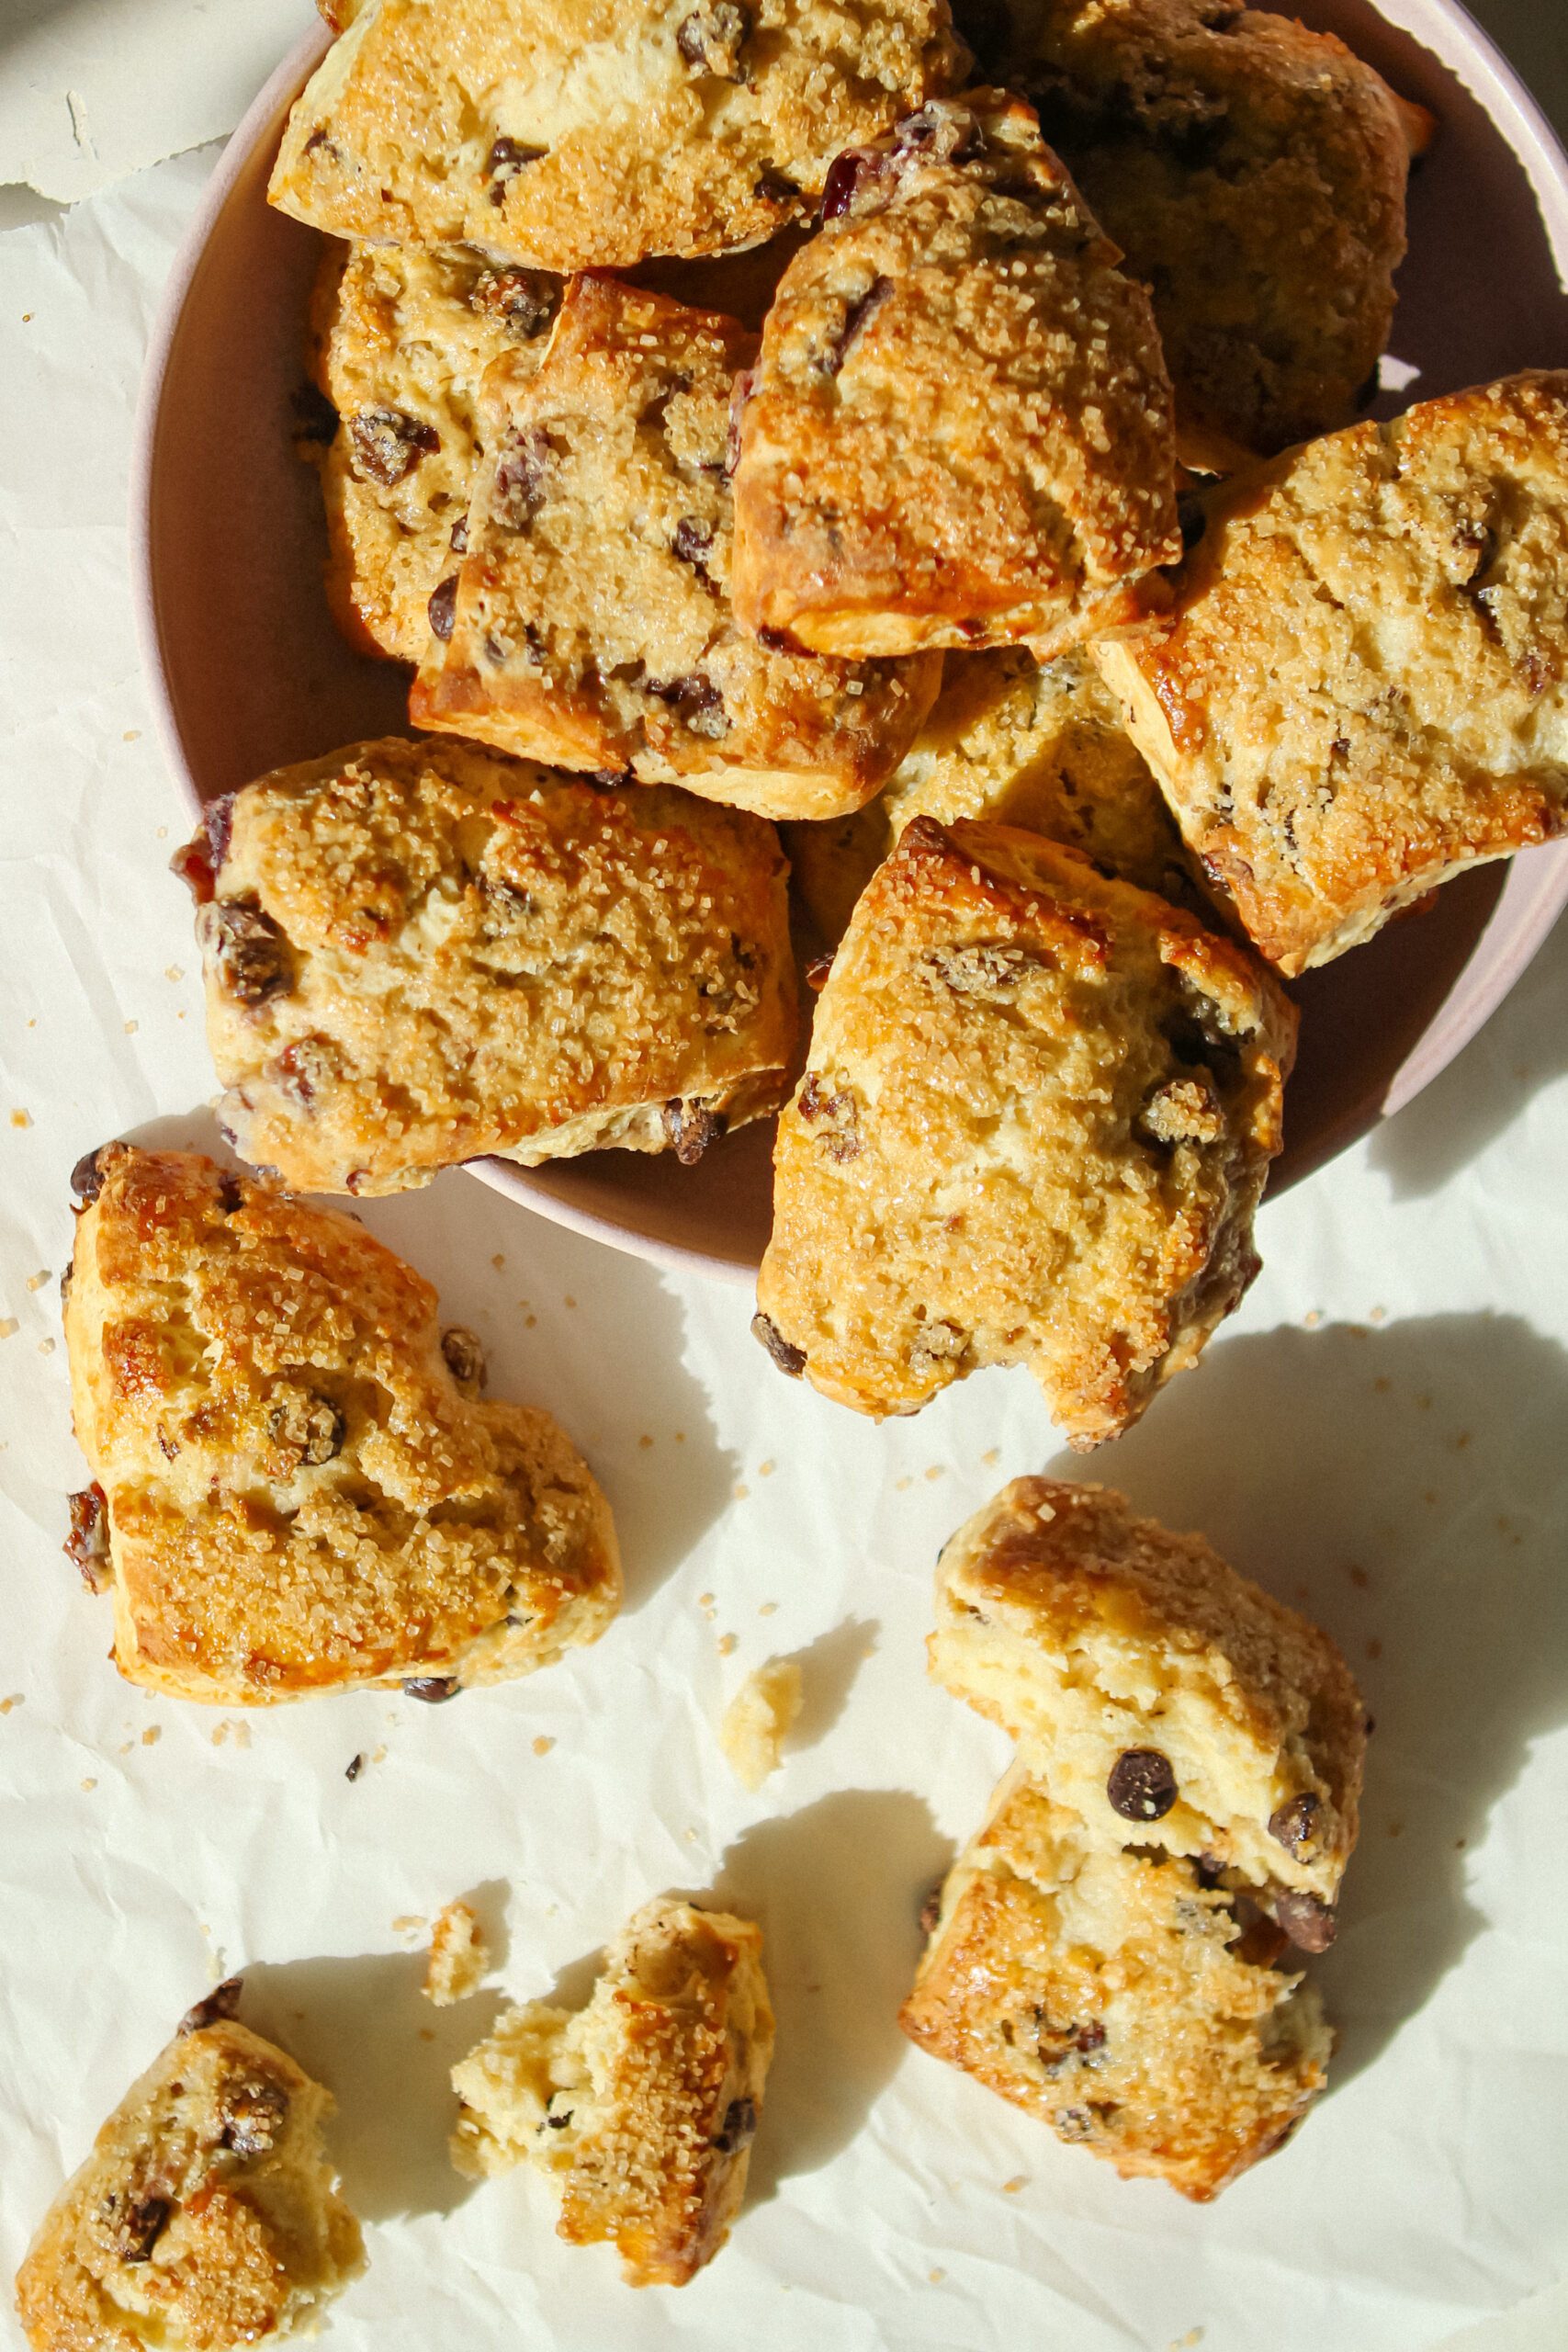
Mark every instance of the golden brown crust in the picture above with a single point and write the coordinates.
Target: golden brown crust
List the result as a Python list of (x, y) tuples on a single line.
[(1038, 1114), (409, 964), (591, 622), (205, 2218), (1363, 686), (594, 133), (960, 430), (300, 1495)]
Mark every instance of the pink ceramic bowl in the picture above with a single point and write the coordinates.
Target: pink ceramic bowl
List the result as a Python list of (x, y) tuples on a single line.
[(246, 670)]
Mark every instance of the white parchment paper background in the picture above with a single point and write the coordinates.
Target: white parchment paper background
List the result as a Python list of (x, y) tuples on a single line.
[(1382, 1436)]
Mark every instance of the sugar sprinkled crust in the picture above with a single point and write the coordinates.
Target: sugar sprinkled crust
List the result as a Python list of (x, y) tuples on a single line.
[(459, 1956), (206, 2216), (1119, 1996), (1039, 1109), (1363, 686), (296, 1487), (639, 2110), (590, 616), (592, 133), (960, 429), (757, 1720), (418, 953)]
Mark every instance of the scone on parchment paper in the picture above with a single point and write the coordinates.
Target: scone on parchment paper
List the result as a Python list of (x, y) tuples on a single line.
[(296, 1487), (639, 2111), (1254, 173), (591, 622), (1363, 686), (417, 952), (959, 432), (578, 133), (1037, 1116), (206, 2216), (1123, 1997), (1163, 1698)]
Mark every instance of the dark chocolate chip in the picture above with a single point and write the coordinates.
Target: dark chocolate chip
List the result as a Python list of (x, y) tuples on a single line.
[(696, 701), (87, 1544), (464, 1356), (518, 490), (442, 607), (1142, 1786), (219, 2005), (252, 2116), (693, 543), (525, 301), (779, 640), (1294, 1823), (88, 1176), (692, 1127), (459, 542), (507, 157), (784, 1353), (558, 2122), (739, 2125), (250, 951), (1309, 1924), (817, 973), (138, 2227), (388, 444), (354, 1766), (432, 1688)]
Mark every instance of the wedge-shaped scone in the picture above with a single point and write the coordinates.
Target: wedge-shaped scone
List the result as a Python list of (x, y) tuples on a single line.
[(1120, 1997), (1038, 1114), (295, 1487), (1018, 744), (574, 133), (960, 428), (1254, 173), (591, 622), (1363, 688), (401, 338), (418, 953), (1159, 1695), (206, 2216), (639, 2109)]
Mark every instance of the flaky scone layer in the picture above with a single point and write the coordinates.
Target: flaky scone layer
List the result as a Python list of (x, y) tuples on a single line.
[(296, 1488)]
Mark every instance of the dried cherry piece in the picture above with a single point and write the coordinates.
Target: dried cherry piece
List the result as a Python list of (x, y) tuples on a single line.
[(464, 1356), (784, 1353), (251, 952), (442, 607), (692, 1127), (388, 444), (87, 1544)]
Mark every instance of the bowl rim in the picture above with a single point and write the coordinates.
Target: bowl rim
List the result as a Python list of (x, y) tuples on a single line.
[(1535, 891)]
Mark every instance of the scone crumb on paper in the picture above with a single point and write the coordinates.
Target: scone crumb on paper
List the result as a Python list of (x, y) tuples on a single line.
[(757, 1719), (459, 1956)]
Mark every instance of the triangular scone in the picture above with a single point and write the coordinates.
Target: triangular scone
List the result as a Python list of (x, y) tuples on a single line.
[(207, 2215), (639, 2109), (1037, 1116), (296, 1487), (1122, 1996), (959, 432), (591, 622), (1162, 1697), (419, 953), (578, 133)]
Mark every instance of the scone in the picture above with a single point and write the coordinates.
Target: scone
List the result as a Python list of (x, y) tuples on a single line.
[(592, 624), (419, 953), (295, 1487), (401, 338), (1018, 744), (1363, 688), (1124, 1997), (639, 2109), (960, 431), (577, 133), (206, 2216), (1254, 173), (1157, 1694), (1038, 1114)]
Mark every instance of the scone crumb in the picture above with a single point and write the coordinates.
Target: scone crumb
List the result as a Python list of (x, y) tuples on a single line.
[(408, 1923), (768, 1608), (543, 1745), (757, 1719), (727, 1645), (14, 1701), (936, 2276), (9, 1326), (37, 1282), (459, 1956), (1010, 2187), (152, 1734)]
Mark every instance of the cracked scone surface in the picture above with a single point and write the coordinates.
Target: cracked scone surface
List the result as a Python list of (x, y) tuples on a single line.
[(296, 1487), (1254, 173), (1118, 1996), (401, 338), (419, 953), (598, 132), (206, 2216), (639, 2110), (1039, 1109), (592, 622), (1363, 686), (960, 428), (1163, 1698)]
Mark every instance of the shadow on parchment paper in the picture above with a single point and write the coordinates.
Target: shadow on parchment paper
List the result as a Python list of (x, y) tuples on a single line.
[(827, 1668), (1408, 1487)]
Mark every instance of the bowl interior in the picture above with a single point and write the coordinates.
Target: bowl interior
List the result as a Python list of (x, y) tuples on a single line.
[(247, 670)]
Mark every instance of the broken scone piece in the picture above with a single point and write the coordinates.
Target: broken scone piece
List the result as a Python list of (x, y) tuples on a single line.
[(296, 1487), (418, 953), (639, 2109), (1038, 1114), (1363, 686), (758, 1719), (207, 2217), (1162, 1697), (1123, 1997), (591, 622), (960, 428), (459, 1956)]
